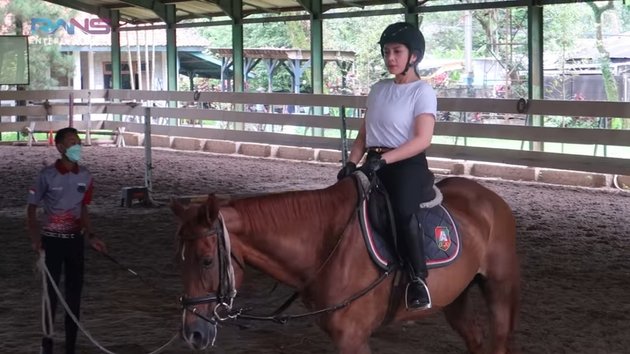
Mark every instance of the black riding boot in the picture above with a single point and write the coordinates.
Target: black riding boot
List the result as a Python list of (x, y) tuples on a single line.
[(47, 346), (417, 294)]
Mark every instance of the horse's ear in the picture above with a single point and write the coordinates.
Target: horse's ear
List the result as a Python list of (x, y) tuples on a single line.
[(177, 207), (212, 207)]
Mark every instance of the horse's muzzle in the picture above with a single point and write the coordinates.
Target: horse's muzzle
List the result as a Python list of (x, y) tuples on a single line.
[(199, 334), (198, 331)]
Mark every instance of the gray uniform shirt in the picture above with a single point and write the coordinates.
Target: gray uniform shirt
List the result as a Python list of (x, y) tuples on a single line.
[(62, 193)]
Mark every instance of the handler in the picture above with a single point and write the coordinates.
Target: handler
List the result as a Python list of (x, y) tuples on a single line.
[(64, 190)]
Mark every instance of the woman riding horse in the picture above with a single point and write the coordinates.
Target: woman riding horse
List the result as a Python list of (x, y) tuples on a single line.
[(397, 129), (312, 241)]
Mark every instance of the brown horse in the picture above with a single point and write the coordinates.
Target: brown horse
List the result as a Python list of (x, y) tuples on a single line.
[(311, 241)]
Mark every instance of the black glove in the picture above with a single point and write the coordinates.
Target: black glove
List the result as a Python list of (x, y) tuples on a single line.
[(372, 165), (347, 170)]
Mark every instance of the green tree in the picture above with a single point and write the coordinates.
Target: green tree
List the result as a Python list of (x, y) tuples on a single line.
[(556, 20), (498, 33), (349, 34), (559, 42), (506, 40), (352, 34), (45, 60), (610, 84), (293, 34)]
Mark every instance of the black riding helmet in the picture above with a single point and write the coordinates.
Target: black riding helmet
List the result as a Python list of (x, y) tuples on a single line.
[(406, 34)]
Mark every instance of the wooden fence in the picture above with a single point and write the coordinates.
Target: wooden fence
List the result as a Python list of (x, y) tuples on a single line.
[(120, 103)]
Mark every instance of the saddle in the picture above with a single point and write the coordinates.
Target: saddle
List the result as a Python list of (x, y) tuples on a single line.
[(442, 243)]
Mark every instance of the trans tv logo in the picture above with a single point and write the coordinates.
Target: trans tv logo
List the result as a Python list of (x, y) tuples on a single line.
[(88, 26)]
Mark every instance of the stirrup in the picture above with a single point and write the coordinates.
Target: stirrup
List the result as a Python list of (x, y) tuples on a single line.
[(422, 283)]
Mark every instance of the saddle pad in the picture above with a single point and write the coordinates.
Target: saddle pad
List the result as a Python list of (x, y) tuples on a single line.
[(442, 243)]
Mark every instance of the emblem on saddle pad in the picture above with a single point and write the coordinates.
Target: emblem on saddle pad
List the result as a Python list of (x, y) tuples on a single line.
[(442, 237)]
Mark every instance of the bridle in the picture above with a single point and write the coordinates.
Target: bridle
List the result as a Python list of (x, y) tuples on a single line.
[(226, 292)]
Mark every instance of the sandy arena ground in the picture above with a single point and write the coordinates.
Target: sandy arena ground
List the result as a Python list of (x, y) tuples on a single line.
[(573, 244)]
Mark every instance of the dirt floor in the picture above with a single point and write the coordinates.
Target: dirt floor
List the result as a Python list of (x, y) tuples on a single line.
[(573, 244)]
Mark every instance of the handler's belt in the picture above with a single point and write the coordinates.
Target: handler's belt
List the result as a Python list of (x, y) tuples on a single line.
[(60, 234), (379, 149)]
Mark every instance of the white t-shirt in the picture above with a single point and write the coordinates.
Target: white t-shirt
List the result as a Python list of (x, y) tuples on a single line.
[(392, 108)]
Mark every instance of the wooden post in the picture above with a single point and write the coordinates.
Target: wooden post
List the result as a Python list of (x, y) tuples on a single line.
[(88, 130), (70, 109), (344, 138), (148, 170)]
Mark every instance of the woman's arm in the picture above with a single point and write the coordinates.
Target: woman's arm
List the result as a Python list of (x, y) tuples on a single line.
[(358, 147), (422, 135)]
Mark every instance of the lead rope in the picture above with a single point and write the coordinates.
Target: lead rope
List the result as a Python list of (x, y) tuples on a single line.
[(46, 309), (41, 264)]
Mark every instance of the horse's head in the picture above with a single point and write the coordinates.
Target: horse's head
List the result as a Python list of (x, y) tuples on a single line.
[(207, 271)]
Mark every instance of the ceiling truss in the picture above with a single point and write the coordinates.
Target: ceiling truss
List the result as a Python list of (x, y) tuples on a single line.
[(215, 12)]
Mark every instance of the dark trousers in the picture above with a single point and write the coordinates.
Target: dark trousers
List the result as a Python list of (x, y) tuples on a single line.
[(409, 182), (69, 255)]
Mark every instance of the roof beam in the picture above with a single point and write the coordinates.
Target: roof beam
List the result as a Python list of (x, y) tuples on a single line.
[(99, 11), (262, 9), (352, 3), (157, 7), (230, 9), (193, 15), (418, 4), (306, 4)]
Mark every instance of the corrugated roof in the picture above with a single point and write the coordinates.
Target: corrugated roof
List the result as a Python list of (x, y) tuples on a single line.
[(618, 47), (153, 11)]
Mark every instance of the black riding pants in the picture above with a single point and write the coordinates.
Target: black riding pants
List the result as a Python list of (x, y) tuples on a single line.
[(69, 255), (409, 182)]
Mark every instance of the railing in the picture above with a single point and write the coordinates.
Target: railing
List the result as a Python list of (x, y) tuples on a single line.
[(141, 103)]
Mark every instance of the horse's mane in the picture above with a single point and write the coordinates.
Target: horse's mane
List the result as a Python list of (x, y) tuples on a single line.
[(294, 210)]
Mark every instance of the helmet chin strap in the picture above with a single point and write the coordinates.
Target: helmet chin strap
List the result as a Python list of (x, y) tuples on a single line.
[(407, 66)]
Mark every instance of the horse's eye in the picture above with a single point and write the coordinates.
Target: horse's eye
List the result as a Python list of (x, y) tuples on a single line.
[(206, 262)]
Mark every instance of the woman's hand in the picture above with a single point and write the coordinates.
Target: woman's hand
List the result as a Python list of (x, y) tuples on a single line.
[(372, 165), (347, 170)]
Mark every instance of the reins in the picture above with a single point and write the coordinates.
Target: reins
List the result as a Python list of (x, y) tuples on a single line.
[(221, 231), (282, 319), (277, 316), (296, 293)]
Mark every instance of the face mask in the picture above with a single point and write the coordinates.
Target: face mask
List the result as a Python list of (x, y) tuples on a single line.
[(73, 153)]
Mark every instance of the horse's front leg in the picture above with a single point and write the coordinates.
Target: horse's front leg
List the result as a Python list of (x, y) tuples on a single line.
[(349, 336), (363, 349), (350, 345)]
